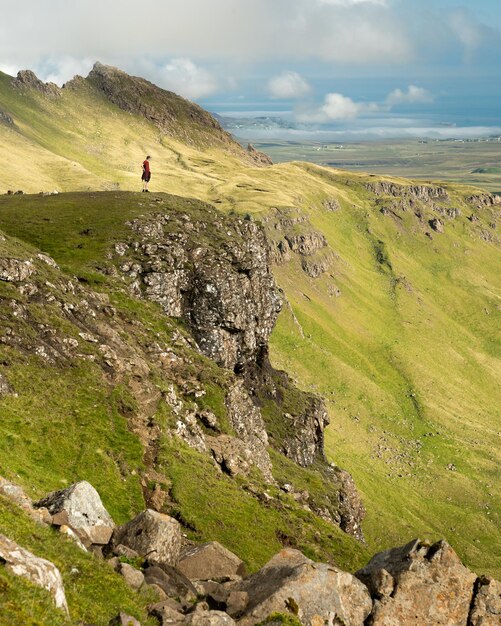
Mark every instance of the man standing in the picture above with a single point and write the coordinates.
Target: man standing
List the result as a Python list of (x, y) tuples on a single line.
[(146, 173)]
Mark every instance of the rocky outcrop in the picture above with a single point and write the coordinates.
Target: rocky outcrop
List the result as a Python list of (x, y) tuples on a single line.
[(316, 593), (223, 289), (151, 534), (26, 79), (260, 158), (15, 270), (6, 119), (425, 193), (38, 571), (306, 243), (437, 225), (418, 584), (170, 113), (304, 438), (484, 200), (486, 605)]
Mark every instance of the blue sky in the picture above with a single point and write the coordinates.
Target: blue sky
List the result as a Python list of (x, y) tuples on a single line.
[(323, 64)]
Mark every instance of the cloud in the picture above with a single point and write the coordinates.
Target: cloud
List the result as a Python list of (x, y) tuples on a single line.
[(61, 70), (337, 108), (288, 86), (347, 31), (187, 79), (413, 95), (468, 30)]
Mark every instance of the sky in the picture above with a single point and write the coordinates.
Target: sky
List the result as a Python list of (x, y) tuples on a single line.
[(359, 67)]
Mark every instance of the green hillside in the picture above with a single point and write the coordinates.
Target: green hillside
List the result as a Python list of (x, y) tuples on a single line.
[(399, 330)]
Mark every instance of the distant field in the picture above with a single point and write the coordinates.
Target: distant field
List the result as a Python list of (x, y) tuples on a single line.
[(473, 162)]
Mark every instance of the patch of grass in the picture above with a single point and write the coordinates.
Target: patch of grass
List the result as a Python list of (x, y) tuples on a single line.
[(95, 593)]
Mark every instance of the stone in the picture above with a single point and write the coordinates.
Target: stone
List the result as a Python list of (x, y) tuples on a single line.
[(166, 614), (69, 532), (125, 551), (5, 387), (316, 593), (437, 225), (151, 534), (418, 584), (210, 561), (209, 618), (133, 577), (78, 506), (260, 158), (173, 582), (122, 619), (35, 569), (236, 603), (95, 535), (486, 606), (15, 270)]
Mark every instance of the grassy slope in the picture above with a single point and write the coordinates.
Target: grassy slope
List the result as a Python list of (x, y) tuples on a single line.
[(398, 363), (68, 422)]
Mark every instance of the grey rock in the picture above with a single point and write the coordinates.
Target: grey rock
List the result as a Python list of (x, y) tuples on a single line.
[(437, 225), (418, 584), (151, 534), (15, 270), (5, 387), (122, 619), (209, 618), (79, 506), (133, 577), (166, 614), (210, 561), (486, 606), (35, 569), (172, 582), (306, 243), (314, 592)]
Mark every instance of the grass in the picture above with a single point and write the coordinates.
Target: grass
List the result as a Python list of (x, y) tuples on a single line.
[(407, 355), (94, 592)]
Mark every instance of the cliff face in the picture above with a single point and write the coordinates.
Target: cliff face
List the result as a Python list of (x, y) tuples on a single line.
[(211, 272)]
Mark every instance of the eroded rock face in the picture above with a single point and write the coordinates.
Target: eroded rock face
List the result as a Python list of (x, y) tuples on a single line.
[(38, 571), (246, 419), (486, 606), (210, 561), (304, 441), (28, 79), (418, 584), (226, 295), (151, 534), (425, 193), (316, 593)]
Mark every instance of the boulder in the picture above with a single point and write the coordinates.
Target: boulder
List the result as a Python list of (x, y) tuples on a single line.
[(37, 570), (172, 582), (210, 561), (166, 614), (437, 225), (151, 534), (122, 619), (418, 584), (15, 270), (486, 607), (316, 593), (79, 507), (209, 618), (133, 577)]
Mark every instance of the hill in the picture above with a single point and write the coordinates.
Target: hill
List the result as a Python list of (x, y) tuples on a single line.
[(391, 313)]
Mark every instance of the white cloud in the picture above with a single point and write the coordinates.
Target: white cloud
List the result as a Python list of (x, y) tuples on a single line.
[(187, 79), (469, 32), (413, 95), (288, 86), (62, 70), (337, 107)]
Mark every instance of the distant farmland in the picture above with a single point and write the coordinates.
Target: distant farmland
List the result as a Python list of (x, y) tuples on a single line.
[(474, 162)]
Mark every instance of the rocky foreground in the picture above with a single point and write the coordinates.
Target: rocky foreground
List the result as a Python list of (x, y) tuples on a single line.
[(207, 585)]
